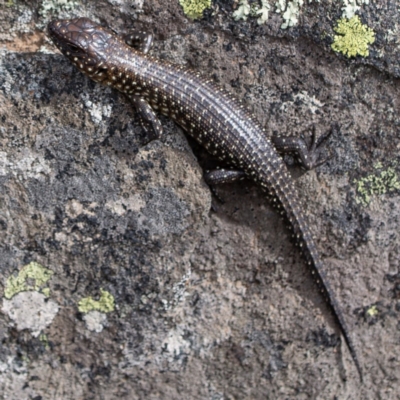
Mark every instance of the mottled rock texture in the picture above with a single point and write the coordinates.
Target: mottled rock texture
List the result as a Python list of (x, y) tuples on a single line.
[(210, 302)]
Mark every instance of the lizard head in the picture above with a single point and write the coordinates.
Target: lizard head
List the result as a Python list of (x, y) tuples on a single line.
[(85, 43)]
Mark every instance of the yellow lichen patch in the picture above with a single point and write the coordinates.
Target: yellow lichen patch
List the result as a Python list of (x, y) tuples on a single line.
[(372, 311), (105, 304), (353, 37), (194, 8), (45, 341), (381, 182), (34, 272)]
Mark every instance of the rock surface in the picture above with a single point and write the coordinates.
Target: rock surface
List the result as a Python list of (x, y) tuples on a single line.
[(208, 303)]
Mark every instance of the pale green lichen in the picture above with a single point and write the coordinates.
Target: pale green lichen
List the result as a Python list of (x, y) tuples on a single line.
[(194, 8), (34, 272), (290, 11), (242, 11), (351, 7), (57, 6), (373, 311), (45, 341), (353, 38), (262, 12), (381, 182), (105, 304), (245, 10)]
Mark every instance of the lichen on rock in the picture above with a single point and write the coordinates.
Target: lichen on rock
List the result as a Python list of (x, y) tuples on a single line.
[(33, 271), (380, 182), (105, 304), (194, 8), (353, 37)]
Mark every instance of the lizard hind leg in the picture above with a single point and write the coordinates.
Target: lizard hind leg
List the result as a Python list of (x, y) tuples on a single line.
[(218, 176), (309, 152), (222, 175)]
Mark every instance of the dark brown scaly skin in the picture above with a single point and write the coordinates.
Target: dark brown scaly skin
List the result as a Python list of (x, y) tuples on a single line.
[(205, 111)]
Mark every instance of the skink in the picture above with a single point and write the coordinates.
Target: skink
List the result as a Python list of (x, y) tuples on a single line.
[(208, 113)]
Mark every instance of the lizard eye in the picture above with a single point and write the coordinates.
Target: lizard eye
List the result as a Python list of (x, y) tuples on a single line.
[(74, 49)]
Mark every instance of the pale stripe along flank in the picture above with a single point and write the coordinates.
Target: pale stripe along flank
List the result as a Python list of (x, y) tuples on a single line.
[(205, 111)]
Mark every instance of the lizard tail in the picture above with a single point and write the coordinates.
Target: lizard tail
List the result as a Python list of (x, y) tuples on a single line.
[(291, 206)]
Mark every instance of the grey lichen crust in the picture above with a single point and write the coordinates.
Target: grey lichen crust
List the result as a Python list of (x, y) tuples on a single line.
[(206, 304)]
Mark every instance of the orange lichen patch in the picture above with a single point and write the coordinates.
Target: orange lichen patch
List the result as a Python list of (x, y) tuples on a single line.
[(25, 42)]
